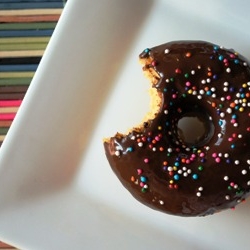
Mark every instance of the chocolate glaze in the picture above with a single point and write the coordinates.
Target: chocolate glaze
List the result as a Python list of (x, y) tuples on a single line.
[(161, 170)]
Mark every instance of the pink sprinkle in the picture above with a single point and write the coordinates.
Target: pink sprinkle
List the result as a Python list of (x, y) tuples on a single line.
[(228, 97), (202, 154), (141, 184), (217, 159), (157, 138), (232, 55), (193, 155), (146, 160), (214, 155), (187, 161), (230, 139), (232, 184), (233, 121), (139, 171), (174, 96), (188, 84)]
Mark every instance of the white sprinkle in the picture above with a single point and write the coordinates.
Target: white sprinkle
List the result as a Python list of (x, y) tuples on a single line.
[(226, 84), (167, 80), (222, 114), (244, 171), (203, 81), (235, 124), (154, 149), (133, 137), (213, 95), (236, 186), (248, 183), (248, 161), (227, 197), (200, 188), (225, 89), (140, 144), (226, 178), (202, 92), (192, 72), (226, 155), (222, 99), (240, 136), (179, 171), (170, 169), (199, 97), (165, 111), (208, 80), (236, 162), (244, 63), (161, 202), (229, 110), (189, 171), (167, 51), (228, 70), (213, 89), (194, 92), (170, 150), (198, 194), (219, 135), (185, 174), (117, 153)]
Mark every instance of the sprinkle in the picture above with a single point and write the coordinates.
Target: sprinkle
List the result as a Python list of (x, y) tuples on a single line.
[(161, 202), (167, 51), (195, 176), (226, 178), (146, 160), (228, 70), (244, 171), (117, 152)]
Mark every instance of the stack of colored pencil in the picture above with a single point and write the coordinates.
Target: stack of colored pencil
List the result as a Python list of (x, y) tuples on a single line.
[(25, 29)]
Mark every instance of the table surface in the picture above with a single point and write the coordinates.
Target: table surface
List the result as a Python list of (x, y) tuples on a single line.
[(25, 29)]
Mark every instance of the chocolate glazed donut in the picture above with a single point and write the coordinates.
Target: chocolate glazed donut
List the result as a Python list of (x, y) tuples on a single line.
[(191, 158)]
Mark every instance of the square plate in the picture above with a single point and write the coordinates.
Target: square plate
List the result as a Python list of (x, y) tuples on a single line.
[(57, 189)]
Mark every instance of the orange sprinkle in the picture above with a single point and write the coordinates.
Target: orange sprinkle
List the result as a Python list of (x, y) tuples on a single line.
[(232, 105), (188, 54), (161, 149), (132, 178), (213, 104)]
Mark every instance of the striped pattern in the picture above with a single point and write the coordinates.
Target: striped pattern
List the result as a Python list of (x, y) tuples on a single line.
[(25, 30)]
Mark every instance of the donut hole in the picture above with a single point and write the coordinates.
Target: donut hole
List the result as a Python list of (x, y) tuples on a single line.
[(194, 127)]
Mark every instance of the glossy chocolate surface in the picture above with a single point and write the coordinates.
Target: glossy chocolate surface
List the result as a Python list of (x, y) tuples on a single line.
[(199, 176)]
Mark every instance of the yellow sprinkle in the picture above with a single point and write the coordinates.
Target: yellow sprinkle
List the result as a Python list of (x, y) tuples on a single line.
[(190, 91), (171, 181), (244, 85), (159, 128), (174, 168), (241, 109), (244, 100)]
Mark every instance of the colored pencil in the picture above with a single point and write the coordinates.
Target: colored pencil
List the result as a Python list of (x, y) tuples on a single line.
[(4, 110), (30, 5), (8, 89), (30, 12), (10, 103), (7, 116), (5, 124), (29, 19), (28, 26), (21, 53)]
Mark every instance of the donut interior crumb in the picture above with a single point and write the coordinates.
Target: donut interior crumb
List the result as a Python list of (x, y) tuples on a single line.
[(155, 99)]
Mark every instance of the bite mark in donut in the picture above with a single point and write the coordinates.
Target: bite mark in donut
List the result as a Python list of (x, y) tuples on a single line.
[(191, 156)]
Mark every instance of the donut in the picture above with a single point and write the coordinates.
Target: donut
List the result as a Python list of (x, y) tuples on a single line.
[(190, 155)]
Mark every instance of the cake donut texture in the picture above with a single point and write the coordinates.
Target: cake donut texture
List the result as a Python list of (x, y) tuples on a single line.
[(190, 157)]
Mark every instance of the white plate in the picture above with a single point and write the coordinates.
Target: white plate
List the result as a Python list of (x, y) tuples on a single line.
[(57, 190)]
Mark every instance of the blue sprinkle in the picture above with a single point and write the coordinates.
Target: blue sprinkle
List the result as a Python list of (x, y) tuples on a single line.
[(234, 116), (129, 149), (215, 77), (143, 179), (177, 164), (176, 177), (220, 123), (165, 89), (195, 176), (233, 146), (216, 47), (221, 57), (146, 50), (209, 92), (236, 61)]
